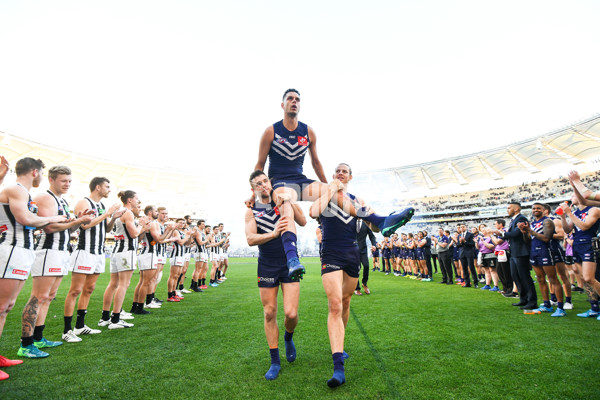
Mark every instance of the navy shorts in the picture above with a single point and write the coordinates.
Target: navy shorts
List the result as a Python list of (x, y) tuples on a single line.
[(273, 272), (558, 254), (569, 260), (583, 251), (347, 260), (296, 182), (541, 258)]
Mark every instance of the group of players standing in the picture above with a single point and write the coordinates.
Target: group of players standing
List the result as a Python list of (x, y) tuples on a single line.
[(559, 249), (145, 241)]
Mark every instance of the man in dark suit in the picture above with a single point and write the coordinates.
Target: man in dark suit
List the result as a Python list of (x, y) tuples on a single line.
[(466, 254), (519, 257), (361, 238)]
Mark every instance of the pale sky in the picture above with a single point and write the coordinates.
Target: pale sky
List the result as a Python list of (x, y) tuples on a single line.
[(193, 84)]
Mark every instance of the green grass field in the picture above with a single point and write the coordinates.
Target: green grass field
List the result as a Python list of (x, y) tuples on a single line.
[(408, 339)]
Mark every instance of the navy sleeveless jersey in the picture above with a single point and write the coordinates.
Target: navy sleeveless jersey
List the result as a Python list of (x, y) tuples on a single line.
[(266, 217), (587, 235), (339, 228), (288, 149), (538, 227)]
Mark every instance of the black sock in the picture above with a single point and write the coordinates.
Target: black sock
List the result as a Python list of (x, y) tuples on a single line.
[(105, 315), (38, 333), (68, 322), (115, 318), (203, 282), (26, 341), (212, 281), (148, 298), (288, 336), (80, 323), (181, 286)]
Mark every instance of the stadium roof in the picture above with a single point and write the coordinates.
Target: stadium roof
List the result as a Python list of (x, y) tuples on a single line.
[(575, 144), (84, 167)]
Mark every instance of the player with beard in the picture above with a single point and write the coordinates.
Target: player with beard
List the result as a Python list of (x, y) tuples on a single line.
[(181, 239), (264, 225), (88, 261), (18, 220), (340, 262), (162, 229)]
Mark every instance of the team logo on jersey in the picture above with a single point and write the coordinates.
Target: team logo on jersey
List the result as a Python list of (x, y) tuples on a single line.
[(101, 211), (260, 214), (302, 141), (276, 209), (281, 140)]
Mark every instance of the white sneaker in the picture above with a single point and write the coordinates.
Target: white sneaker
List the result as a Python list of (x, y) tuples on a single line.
[(125, 315), (553, 303), (70, 337), (103, 322), (178, 293), (568, 306), (120, 325), (186, 291), (86, 330), (152, 305), (223, 278)]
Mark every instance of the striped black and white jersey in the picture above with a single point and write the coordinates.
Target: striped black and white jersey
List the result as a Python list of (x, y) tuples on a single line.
[(178, 250), (123, 240), (161, 247), (56, 240), (13, 233), (147, 244), (92, 239)]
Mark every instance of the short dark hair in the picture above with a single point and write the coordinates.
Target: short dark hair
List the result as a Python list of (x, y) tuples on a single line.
[(28, 164), (126, 195), (347, 165), (200, 222), (98, 180), (288, 91), (516, 203), (147, 209), (501, 222), (256, 173)]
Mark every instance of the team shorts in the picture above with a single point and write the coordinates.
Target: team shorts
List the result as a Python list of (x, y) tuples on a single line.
[(177, 261), (583, 251), (15, 262), (201, 257), (147, 261), (51, 263), (542, 258), (558, 255), (569, 260), (161, 259), (187, 257), (124, 261), (225, 256), (271, 273), (490, 262), (295, 182), (83, 262), (347, 260)]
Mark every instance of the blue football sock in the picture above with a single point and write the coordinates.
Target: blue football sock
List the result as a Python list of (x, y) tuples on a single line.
[(375, 219), (288, 336), (275, 356), (594, 304), (553, 297), (288, 239), (547, 303), (338, 361), (567, 299), (561, 305)]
